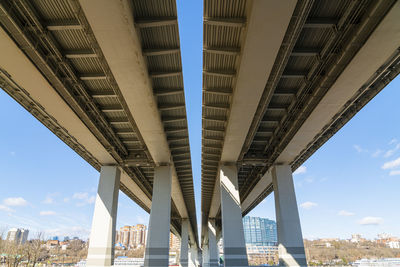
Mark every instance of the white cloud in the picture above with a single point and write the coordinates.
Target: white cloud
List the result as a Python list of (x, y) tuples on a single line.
[(359, 149), (393, 141), (83, 198), (309, 180), (394, 172), (80, 195), (47, 212), (48, 200), (308, 205), (371, 221), (300, 170), (91, 200), (391, 164), (392, 151), (66, 199), (5, 208), (377, 153), (15, 201), (345, 213)]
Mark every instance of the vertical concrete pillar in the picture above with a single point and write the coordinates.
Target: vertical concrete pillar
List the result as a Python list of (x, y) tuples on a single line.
[(184, 243), (199, 257), (193, 256), (157, 247), (205, 256), (290, 238), (212, 244), (232, 225), (102, 236)]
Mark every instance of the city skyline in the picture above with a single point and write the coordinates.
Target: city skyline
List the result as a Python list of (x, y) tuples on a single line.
[(348, 186)]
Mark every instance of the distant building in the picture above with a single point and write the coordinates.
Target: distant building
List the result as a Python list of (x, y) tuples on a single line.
[(66, 238), (24, 235), (388, 240), (261, 239), (259, 231), (174, 242), (51, 244), (393, 244), (55, 238), (14, 234), (356, 238), (124, 235), (19, 236), (137, 236), (131, 236)]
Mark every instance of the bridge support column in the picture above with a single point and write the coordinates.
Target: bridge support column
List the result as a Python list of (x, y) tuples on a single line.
[(102, 236), (205, 256), (232, 225), (199, 258), (212, 244), (184, 243), (157, 247), (290, 238), (192, 256)]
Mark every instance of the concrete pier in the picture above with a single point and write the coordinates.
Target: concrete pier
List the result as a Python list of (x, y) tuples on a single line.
[(102, 236), (290, 238), (157, 247), (232, 225)]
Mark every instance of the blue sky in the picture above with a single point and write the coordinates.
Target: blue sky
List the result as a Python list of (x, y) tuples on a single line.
[(344, 188)]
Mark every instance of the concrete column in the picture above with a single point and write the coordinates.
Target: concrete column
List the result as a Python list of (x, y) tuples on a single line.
[(290, 238), (205, 256), (157, 248), (212, 244), (184, 243), (232, 225), (193, 256), (199, 258), (102, 236)]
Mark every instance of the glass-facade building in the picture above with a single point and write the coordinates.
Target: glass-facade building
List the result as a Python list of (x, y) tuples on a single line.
[(259, 231)]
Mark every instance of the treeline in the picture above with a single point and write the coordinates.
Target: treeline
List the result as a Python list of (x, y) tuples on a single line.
[(344, 252), (29, 253), (35, 251)]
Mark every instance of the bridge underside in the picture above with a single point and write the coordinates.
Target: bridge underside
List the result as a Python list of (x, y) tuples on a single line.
[(111, 89), (279, 79)]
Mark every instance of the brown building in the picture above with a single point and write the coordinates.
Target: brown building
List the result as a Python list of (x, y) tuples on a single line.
[(174, 242), (132, 236)]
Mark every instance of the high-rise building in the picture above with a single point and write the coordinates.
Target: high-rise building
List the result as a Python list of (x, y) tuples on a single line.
[(259, 231), (138, 235), (24, 235), (14, 234), (19, 236), (132, 236), (124, 235), (174, 242), (261, 239)]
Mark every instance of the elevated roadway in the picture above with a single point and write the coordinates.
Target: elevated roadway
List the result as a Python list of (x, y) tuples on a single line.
[(106, 78), (279, 79)]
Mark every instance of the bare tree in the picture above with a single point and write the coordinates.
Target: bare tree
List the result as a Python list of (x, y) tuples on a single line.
[(34, 249), (3, 230), (14, 253)]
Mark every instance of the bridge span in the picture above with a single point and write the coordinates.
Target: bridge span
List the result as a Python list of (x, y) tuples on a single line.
[(279, 79), (106, 78)]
